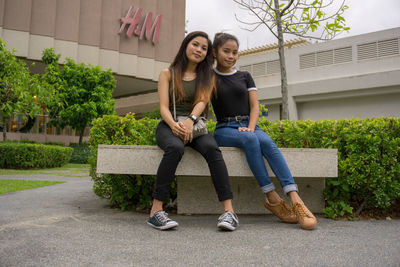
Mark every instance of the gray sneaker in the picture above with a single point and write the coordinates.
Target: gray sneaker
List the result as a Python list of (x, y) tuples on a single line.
[(228, 221), (161, 221)]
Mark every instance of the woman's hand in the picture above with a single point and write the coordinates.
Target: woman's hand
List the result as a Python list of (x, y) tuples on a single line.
[(188, 124), (245, 129), (178, 129)]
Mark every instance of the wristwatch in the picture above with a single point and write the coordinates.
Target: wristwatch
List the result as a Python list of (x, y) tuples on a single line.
[(193, 118)]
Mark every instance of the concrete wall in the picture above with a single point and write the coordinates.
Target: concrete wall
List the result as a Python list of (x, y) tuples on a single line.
[(356, 76), (43, 138), (358, 107)]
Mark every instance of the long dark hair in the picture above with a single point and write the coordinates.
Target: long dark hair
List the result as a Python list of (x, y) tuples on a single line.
[(204, 71)]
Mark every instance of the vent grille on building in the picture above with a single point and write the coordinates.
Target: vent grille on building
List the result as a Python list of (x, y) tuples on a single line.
[(246, 68), (381, 48), (259, 69), (273, 66), (388, 47), (343, 55), (366, 51), (307, 61), (263, 68), (327, 57)]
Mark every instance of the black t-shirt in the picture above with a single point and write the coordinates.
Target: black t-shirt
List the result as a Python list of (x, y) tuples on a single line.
[(232, 94)]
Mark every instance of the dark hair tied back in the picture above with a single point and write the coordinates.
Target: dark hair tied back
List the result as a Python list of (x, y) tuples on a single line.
[(220, 39)]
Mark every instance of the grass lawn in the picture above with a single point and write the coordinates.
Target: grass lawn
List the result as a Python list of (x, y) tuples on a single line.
[(7, 186), (65, 170)]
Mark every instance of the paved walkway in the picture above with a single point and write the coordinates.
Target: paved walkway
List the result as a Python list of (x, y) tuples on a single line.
[(67, 225)]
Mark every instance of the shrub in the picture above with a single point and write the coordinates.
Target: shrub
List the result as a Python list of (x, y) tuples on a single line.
[(80, 154), (124, 191), (26, 155), (368, 158)]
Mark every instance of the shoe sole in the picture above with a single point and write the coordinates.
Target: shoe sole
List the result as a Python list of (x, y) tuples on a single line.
[(165, 227), (226, 226)]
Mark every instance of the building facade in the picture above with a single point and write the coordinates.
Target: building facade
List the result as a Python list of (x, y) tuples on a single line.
[(353, 77), (135, 38)]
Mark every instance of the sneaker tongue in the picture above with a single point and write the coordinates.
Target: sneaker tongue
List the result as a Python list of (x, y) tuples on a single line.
[(227, 216), (162, 216)]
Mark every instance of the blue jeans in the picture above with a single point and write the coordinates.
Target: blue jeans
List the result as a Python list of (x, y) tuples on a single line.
[(256, 145)]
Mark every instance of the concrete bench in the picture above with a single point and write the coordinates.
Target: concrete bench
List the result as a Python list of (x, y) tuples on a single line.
[(196, 194)]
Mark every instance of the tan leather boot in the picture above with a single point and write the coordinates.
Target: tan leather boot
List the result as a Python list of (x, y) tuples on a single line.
[(306, 219), (282, 210)]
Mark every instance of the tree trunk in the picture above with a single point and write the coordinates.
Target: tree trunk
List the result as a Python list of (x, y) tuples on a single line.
[(281, 52), (4, 129), (81, 135), (45, 122)]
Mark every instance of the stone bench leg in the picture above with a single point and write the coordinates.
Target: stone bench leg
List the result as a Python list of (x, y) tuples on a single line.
[(196, 195)]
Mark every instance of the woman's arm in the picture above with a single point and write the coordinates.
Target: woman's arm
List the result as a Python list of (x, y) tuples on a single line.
[(177, 128), (254, 112)]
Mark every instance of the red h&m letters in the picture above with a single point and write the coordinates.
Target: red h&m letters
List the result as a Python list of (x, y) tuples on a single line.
[(146, 29)]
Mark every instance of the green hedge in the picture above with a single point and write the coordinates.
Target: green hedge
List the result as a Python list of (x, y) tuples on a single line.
[(80, 154), (27, 155), (124, 191), (368, 159)]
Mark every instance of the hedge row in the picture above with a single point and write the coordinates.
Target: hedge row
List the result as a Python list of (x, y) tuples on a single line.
[(368, 158), (26, 155)]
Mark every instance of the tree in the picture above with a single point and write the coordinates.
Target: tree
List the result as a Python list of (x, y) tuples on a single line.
[(84, 92), (19, 90), (296, 17)]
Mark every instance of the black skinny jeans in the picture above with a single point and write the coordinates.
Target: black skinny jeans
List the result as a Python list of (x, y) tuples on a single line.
[(173, 151)]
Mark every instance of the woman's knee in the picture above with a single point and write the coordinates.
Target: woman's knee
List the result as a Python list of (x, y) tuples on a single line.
[(210, 149), (175, 148), (249, 139), (266, 141)]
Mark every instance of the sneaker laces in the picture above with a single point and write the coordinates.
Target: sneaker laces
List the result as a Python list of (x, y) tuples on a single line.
[(227, 217), (300, 211), (162, 216)]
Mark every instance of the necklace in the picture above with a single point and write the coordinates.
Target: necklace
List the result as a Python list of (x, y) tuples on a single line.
[(189, 75)]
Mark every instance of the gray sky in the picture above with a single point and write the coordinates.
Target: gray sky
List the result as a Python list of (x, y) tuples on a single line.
[(211, 16)]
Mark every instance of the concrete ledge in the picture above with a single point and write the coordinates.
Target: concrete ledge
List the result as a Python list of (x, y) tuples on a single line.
[(303, 162), (196, 194)]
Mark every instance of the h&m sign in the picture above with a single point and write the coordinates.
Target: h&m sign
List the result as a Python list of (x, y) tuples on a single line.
[(146, 29)]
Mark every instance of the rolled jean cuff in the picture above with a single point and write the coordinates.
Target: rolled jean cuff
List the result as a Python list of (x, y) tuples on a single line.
[(290, 187), (268, 188)]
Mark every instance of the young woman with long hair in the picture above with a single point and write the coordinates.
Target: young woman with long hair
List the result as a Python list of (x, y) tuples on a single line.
[(193, 85)]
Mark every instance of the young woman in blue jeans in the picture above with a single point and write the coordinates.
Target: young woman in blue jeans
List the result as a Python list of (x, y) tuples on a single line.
[(237, 109)]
